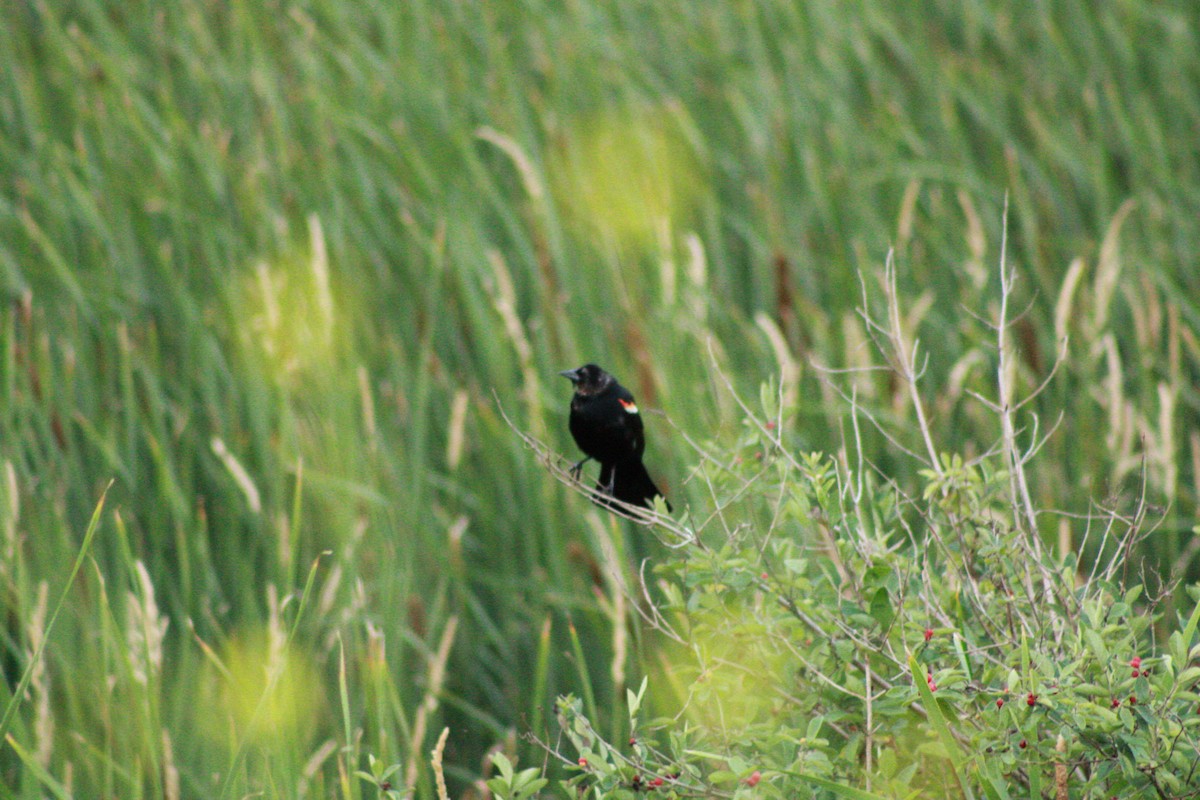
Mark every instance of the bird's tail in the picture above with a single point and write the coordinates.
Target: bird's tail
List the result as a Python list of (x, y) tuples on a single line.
[(629, 482)]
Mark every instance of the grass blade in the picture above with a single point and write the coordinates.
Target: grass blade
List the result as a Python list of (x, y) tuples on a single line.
[(23, 684)]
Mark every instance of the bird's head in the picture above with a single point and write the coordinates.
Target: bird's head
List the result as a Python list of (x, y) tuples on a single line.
[(588, 379)]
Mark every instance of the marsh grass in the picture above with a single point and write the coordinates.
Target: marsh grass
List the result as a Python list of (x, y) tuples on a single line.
[(266, 268)]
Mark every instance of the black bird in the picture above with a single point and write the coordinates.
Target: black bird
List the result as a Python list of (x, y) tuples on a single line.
[(607, 427)]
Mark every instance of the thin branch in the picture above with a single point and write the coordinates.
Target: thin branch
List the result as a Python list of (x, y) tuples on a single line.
[(562, 469), (907, 358), (1022, 503)]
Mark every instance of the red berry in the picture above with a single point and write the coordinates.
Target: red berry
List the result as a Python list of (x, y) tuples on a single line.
[(1115, 702), (583, 762), (1031, 700), (1135, 662), (632, 741), (656, 782), (770, 426), (1000, 702), (764, 576), (1023, 744), (754, 778), (1132, 700), (1135, 674), (928, 634)]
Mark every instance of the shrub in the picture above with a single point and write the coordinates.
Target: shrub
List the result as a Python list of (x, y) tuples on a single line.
[(831, 633)]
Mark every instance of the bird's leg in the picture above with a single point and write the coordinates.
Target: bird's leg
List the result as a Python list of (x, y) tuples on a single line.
[(611, 486), (575, 470)]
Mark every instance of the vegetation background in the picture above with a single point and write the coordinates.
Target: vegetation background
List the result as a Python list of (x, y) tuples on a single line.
[(273, 269)]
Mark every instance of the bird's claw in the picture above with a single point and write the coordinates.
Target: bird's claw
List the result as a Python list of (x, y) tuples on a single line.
[(578, 468)]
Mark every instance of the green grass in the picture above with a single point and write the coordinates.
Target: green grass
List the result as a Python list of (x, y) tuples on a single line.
[(498, 193)]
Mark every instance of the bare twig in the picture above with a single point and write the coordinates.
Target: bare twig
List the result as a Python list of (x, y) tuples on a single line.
[(1022, 503), (906, 358), (558, 466)]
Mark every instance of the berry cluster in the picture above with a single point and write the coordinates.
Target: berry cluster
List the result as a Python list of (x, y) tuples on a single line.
[(640, 785)]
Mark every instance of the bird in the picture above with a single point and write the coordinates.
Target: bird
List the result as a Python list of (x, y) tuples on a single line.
[(605, 423)]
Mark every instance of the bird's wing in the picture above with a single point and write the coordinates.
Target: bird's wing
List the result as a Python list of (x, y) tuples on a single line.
[(631, 421)]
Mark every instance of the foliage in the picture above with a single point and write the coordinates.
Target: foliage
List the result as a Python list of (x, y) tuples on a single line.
[(898, 645), (834, 635), (512, 785)]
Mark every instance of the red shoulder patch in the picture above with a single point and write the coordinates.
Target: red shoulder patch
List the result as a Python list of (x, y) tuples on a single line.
[(629, 406)]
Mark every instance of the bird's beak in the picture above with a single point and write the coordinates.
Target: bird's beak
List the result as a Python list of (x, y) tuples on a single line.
[(571, 374)]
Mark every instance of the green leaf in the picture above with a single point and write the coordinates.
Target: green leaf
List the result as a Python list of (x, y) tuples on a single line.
[(534, 787), (814, 728), (527, 783), (837, 788), (934, 714), (1096, 644), (881, 608), (963, 660), (994, 783), (1189, 675), (1189, 630), (767, 397), (635, 700), (501, 762)]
